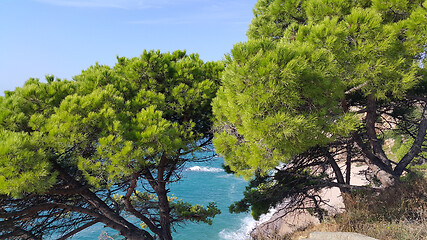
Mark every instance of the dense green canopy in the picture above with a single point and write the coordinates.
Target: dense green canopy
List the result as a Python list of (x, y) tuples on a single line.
[(316, 76), (91, 142), (277, 100)]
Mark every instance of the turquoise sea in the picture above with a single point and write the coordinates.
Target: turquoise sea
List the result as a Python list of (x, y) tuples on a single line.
[(201, 183)]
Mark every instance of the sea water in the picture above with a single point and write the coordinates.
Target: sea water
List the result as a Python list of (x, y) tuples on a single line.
[(201, 183)]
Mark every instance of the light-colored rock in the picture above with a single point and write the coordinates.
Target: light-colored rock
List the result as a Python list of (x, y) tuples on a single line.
[(337, 236), (282, 223), (279, 225)]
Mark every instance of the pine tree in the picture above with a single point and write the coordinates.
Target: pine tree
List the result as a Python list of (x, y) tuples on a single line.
[(316, 80), (105, 146)]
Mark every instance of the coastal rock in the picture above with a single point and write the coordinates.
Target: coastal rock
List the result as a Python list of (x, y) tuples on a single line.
[(281, 224)]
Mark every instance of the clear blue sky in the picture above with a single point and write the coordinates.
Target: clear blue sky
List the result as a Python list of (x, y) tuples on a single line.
[(63, 37)]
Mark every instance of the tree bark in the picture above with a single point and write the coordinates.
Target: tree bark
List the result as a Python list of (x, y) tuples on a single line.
[(159, 186), (337, 170), (335, 167), (131, 209), (375, 157), (381, 171), (164, 208), (348, 163), (165, 221), (371, 118)]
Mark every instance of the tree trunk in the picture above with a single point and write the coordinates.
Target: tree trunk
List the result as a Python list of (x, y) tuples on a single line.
[(376, 159), (137, 234), (335, 167), (165, 221), (159, 186), (348, 163), (164, 208), (371, 118), (338, 173), (382, 172), (387, 179)]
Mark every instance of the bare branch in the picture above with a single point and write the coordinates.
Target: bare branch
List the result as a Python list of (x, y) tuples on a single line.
[(131, 209), (79, 229), (49, 206), (356, 88), (335, 167)]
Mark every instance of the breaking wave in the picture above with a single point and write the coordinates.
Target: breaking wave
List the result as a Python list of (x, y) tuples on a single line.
[(204, 169), (246, 227)]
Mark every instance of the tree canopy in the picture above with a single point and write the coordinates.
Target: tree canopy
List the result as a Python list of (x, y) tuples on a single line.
[(104, 146), (320, 83)]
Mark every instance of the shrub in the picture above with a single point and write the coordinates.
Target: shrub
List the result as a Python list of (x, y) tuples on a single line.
[(398, 213)]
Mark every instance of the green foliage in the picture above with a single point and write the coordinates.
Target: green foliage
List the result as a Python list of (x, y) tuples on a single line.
[(306, 70), (373, 42), (283, 98), (180, 210), (24, 165), (272, 17), (119, 118), (25, 168), (145, 114), (25, 108), (196, 213)]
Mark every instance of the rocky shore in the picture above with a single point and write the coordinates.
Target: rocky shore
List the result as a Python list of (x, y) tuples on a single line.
[(281, 224)]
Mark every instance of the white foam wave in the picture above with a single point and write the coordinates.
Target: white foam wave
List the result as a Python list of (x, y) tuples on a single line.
[(248, 224), (265, 217), (204, 169)]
